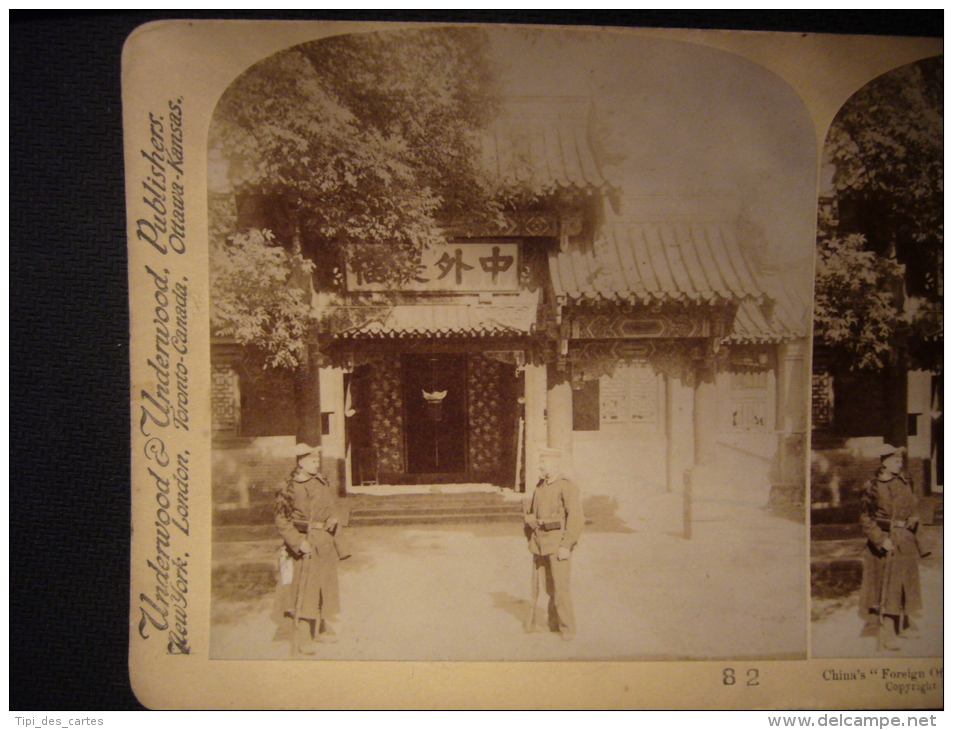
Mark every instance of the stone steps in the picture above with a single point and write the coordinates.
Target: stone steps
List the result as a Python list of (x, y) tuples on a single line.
[(256, 522)]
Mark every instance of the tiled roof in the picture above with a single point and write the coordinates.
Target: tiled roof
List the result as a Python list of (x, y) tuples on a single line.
[(648, 262), (543, 143), (784, 312), (444, 320), (754, 325)]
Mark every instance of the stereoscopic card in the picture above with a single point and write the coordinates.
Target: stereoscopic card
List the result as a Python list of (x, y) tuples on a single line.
[(487, 366)]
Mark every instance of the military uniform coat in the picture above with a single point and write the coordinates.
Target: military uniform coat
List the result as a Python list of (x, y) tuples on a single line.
[(554, 504), (307, 509), (553, 517), (888, 508)]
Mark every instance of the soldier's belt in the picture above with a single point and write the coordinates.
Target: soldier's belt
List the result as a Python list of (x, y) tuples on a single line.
[(887, 524), (549, 526), (304, 527)]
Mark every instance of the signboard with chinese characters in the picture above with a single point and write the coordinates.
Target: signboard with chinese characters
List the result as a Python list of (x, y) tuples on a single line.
[(457, 267)]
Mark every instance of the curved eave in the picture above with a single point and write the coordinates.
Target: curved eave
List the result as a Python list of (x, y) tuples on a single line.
[(549, 187), (431, 334), (645, 299), (762, 339)]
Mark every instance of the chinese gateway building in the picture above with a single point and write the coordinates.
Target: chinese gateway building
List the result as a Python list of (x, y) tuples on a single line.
[(654, 347)]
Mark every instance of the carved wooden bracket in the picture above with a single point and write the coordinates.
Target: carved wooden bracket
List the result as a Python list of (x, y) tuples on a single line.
[(637, 326), (677, 359)]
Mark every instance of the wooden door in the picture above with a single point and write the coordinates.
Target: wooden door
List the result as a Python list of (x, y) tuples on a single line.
[(435, 427)]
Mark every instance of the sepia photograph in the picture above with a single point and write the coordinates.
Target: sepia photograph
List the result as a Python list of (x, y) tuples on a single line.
[(510, 350), (534, 367), (877, 389)]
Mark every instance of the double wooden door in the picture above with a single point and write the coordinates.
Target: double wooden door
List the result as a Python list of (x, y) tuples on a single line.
[(435, 408)]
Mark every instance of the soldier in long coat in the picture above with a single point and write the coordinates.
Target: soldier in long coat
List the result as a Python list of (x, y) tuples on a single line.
[(553, 521), (307, 516), (889, 519)]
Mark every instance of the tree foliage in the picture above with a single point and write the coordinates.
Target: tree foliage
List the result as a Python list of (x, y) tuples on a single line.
[(857, 308), (886, 149), (886, 146), (365, 138), (262, 295)]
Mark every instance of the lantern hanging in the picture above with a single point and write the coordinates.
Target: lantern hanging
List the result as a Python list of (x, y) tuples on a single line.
[(434, 403)]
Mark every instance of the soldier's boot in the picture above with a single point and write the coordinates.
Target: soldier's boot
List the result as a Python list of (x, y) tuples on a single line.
[(909, 630), (888, 634), (326, 634), (566, 632), (303, 640)]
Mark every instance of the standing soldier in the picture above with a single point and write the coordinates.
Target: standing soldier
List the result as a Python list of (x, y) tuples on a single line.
[(553, 520), (888, 517), (307, 517)]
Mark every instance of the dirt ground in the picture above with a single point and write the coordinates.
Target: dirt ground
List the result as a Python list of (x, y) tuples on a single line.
[(640, 591)]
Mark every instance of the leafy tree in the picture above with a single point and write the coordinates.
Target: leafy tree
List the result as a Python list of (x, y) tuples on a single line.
[(262, 296), (886, 146), (880, 257), (364, 141), (343, 151), (857, 311)]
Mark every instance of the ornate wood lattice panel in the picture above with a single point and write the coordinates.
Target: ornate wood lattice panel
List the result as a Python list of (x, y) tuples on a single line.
[(484, 395), (226, 399), (822, 400), (386, 419)]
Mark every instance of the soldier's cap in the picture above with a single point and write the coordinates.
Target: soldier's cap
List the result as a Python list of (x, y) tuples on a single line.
[(887, 450), (303, 449)]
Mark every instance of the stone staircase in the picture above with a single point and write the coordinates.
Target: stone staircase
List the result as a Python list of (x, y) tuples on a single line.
[(432, 508)]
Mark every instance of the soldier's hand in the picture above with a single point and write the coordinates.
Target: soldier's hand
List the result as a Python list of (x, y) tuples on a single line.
[(531, 522), (305, 547), (563, 553), (912, 522), (887, 545)]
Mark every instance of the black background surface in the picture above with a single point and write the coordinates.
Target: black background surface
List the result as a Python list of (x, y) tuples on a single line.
[(69, 396)]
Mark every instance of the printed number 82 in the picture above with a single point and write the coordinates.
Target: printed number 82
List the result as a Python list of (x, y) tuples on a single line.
[(728, 677)]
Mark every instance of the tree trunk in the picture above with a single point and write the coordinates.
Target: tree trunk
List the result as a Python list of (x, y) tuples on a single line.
[(308, 398), (896, 401)]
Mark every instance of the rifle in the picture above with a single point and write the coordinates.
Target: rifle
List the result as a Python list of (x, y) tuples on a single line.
[(530, 625), (884, 579), (299, 598)]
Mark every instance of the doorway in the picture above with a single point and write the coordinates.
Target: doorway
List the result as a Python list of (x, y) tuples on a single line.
[(435, 414)]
